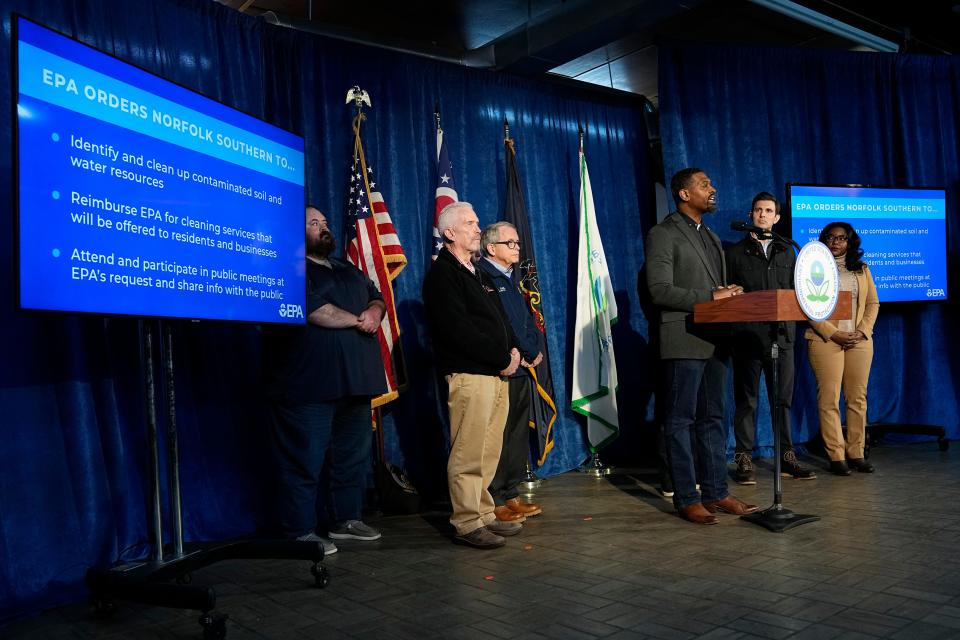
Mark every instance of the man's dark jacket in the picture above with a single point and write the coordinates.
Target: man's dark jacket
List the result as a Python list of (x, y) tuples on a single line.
[(748, 266), (680, 274), (470, 329), (515, 305)]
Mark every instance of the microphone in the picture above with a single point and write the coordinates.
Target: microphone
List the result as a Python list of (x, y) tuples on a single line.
[(739, 225)]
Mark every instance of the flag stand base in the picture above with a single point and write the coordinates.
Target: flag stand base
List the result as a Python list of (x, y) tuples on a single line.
[(595, 467), (530, 481)]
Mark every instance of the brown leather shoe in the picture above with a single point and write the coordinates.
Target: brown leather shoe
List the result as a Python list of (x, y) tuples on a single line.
[(526, 509), (696, 514), (732, 506), (506, 514)]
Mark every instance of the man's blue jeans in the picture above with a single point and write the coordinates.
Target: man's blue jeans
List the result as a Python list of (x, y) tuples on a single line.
[(302, 436), (693, 429)]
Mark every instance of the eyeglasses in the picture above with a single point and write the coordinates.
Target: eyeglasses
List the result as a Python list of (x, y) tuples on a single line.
[(511, 244), (840, 239)]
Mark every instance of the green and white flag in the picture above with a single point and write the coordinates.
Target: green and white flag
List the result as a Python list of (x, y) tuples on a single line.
[(594, 390)]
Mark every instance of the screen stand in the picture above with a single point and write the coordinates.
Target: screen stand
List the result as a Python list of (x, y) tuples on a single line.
[(164, 578), (877, 430), (777, 518)]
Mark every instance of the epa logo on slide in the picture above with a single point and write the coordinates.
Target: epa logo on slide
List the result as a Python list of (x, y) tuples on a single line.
[(936, 293), (291, 311)]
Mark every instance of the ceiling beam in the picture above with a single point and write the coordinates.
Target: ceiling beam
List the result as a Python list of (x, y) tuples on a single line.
[(576, 29)]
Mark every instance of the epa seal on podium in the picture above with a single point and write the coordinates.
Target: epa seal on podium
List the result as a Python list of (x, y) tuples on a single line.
[(817, 281)]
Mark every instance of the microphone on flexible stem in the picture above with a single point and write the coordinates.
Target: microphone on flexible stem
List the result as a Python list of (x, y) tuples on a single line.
[(739, 225)]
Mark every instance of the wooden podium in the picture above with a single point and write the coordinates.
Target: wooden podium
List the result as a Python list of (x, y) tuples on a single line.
[(772, 306)]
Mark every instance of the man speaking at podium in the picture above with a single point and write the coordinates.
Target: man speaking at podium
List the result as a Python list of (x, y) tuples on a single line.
[(759, 262), (685, 265)]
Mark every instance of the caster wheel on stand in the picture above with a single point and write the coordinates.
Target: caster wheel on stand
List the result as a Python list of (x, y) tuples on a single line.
[(321, 576), (214, 625), (103, 607)]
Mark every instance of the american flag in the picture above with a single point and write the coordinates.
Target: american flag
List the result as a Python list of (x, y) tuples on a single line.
[(375, 249), (446, 187)]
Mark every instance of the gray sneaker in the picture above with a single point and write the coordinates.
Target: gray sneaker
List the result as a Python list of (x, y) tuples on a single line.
[(354, 530), (480, 538), (327, 545), (501, 528)]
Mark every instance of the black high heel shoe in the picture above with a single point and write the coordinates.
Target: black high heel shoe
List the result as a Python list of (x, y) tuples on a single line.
[(839, 468)]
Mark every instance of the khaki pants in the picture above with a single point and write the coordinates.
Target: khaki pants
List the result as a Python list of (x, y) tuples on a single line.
[(850, 369), (478, 412)]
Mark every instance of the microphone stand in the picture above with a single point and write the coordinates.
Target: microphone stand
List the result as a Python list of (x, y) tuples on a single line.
[(777, 518), (764, 233), (784, 240)]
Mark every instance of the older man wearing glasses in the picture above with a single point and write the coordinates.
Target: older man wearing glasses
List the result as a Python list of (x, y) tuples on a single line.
[(500, 246)]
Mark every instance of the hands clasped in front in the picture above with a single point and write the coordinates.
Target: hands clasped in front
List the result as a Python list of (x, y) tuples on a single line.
[(728, 291), (532, 365), (847, 339), (369, 319), (514, 363)]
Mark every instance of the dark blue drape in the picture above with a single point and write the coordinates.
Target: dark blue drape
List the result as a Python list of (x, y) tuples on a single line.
[(757, 118), (72, 443)]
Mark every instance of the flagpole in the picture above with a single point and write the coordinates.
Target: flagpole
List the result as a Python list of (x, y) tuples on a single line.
[(364, 250), (593, 466), (531, 480)]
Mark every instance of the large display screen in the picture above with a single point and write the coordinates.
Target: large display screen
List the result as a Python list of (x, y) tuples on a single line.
[(903, 233), (139, 197)]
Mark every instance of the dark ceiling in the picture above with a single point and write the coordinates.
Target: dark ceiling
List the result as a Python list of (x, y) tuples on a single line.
[(612, 43)]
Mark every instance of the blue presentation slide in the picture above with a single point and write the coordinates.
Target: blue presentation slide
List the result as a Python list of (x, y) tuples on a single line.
[(903, 233), (139, 197)]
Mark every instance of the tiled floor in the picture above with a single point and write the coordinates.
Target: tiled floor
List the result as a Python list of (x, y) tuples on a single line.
[(609, 559)]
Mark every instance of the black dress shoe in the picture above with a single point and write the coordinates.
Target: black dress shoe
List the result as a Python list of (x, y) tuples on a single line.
[(861, 465), (839, 468)]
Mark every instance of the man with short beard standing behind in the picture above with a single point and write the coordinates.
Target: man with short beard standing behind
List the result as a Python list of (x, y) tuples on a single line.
[(320, 379)]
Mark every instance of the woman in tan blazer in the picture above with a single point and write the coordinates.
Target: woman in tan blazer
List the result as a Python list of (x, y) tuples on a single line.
[(841, 352)]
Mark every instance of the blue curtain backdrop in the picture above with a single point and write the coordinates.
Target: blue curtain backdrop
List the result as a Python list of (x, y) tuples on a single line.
[(757, 118), (72, 458)]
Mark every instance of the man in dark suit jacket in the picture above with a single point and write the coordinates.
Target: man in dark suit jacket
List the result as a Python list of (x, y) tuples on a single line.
[(760, 263), (685, 265), (500, 247)]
